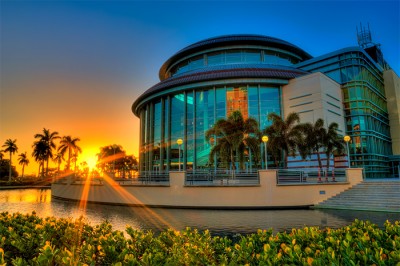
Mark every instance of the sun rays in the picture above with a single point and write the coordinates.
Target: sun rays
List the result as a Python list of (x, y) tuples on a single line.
[(120, 193)]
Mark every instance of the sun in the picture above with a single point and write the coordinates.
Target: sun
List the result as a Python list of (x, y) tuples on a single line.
[(91, 161)]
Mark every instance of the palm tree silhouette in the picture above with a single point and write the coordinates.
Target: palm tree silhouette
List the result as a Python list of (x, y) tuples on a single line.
[(24, 161), (40, 150), (48, 138), (232, 136), (313, 135), (69, 144), (332, 142), (10, 147), (58, 158), (283, 134)]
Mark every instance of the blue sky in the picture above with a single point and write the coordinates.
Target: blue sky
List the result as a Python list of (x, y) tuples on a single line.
[(77, 66)]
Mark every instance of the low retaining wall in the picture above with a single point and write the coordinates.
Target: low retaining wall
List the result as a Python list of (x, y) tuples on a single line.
[(266, 195)]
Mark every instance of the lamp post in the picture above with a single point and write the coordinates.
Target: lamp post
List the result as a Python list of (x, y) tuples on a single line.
[(347, 139), (265, 140), (179, 142)]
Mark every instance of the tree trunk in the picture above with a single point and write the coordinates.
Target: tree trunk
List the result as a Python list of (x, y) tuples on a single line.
[(319, 159), (42, 169), (23, 167), (327, 164), (69, 159), (233, 160), (286, 159), (9, 176), (47, 167)]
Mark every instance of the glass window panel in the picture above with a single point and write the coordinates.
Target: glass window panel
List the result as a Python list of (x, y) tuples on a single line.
[(252, 56), (236, 100), (220, 103), (196, 62), (234, 56), (166, 133), (177, 127), (202, 148), (269, 102), (217, 58)]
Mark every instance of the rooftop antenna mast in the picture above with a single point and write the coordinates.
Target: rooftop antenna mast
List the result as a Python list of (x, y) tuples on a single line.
[(364, 37)]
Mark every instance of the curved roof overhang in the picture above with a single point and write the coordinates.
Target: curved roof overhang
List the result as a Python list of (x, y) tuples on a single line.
[(258, 71), (227, 40)]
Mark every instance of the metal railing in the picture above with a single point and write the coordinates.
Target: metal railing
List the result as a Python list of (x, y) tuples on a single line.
[(221, 177), (310, 175)]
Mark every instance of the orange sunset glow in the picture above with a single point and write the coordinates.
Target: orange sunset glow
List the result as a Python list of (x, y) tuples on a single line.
[(93, 111)]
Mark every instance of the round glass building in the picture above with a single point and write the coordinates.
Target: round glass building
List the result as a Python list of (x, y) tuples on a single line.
[(204, 82)]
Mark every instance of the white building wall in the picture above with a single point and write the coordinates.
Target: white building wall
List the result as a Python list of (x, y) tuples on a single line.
[(314, 96)]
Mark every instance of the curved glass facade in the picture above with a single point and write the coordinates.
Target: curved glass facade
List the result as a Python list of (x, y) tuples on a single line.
[(248, 73), (189, 114), (226, 56)]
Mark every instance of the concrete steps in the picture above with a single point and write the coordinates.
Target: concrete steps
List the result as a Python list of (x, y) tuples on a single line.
[(370, 195)]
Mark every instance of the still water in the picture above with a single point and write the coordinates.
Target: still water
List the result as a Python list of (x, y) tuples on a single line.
[(219, 222)]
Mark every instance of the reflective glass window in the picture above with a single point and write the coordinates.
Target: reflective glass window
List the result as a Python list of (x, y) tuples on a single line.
[(233, 56), (217, 58), (203, 123), (220, 103), (269, 103), (177, 128), (156, 136), (252, 56), (236, 100), (189, 154)]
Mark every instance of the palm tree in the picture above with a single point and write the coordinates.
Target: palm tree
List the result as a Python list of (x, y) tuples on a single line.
[(74, 159), (58, 158), (332, 142), (283, 134), (110, 158), (1, 155), (232, 136), (312, 139), (40, 153), (69, 144), (48, 138), (24, 161), (10, 147)]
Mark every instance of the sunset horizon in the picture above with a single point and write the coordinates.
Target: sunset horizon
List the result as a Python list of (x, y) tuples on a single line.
[(77, 67)]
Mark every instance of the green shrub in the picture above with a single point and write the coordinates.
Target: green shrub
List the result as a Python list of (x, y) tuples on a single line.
[(31, 240)]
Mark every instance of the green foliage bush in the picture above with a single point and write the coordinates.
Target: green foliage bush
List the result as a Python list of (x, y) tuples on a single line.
[(31, 240)]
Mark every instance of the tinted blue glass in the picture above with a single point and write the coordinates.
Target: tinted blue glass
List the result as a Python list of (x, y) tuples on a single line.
[(252, 56), (269, 103), (234, 56), (217, 58), (220, 103), (253, 103), (166, 133), (202, 124), (156, 136), (177, 127), (189, 150)]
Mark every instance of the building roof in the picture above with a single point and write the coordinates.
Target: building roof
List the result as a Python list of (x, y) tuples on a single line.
[(221, 72), (245, 39)]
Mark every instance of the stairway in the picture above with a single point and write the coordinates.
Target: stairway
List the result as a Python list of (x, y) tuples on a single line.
[(370, 195)]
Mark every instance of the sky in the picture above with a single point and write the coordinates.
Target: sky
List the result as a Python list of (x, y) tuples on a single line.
[(76, 67)]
